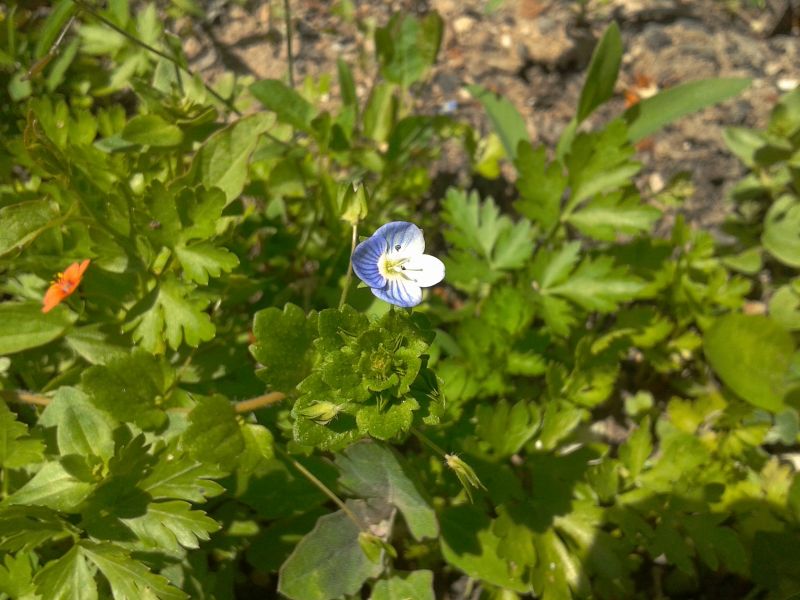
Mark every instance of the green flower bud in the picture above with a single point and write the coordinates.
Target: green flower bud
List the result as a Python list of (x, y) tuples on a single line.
[(321, 413), (465, 474)]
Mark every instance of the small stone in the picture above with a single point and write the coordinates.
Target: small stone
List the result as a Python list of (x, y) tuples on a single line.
[(656, 182), (787, 84), (505, 40), (463, 24)]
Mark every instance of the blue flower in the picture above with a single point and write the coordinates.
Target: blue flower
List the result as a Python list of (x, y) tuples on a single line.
[(393, 264)]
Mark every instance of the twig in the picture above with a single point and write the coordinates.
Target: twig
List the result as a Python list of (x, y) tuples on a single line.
[(259, 402), (24, 397), (287, 15), (349, 276), (40, 64), (86, 8)]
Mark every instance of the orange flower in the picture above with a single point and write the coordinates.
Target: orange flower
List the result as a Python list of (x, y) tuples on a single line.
[(66, 283)]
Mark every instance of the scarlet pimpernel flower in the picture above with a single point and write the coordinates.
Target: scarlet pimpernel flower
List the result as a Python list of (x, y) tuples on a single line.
[(65, 283), (393, 263)]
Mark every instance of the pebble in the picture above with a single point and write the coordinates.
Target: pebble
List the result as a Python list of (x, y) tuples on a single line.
[(463, 24), (786, 84)]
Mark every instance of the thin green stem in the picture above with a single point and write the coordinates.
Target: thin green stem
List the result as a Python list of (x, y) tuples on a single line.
[(108, 23), (428, 442), (287, 15), (349, 276), (322, 487)]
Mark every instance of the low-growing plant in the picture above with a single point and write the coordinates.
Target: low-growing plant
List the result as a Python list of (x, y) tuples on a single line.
[(202, 401)]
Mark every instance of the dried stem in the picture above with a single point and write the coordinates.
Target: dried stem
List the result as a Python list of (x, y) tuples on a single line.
[(259, 402), (24, 397)]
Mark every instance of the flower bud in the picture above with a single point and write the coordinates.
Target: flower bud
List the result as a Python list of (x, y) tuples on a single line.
[(321, 413)]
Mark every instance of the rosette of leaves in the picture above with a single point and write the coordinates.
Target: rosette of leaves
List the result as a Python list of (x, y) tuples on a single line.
[(352, 377)]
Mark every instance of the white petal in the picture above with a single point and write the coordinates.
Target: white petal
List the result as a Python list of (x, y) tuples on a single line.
[(424, 270)]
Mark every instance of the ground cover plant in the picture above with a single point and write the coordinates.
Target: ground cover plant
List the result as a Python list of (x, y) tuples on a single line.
[(204, 398)]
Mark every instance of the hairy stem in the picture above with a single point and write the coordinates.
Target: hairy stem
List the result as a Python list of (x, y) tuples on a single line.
[(349, 276), (259, 402), (24, 397)]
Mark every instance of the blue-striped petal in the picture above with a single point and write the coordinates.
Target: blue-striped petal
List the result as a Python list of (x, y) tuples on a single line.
[(403, 239), (365, 261), (400, 293)]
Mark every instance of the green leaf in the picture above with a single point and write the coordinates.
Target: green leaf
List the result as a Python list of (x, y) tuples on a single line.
[(138, 378), (507, 121), (602, 73), (415, 585), (651, 114), (174, 316), (200, 261), (407, 46), (469, 544), (152, 130), (289, 106), (597, 284), (223, 159), (52, 487), (605, 217), (310, 574), (16, 577), (21, 223), (27, 527), (67, 578), (182, 477), (283, 345), (751, 354), (479, 227), (24, 326), (213, 435), (17, 449), (371, 470), (784, 307), (541, 185), (389, 423), (600, 162), (82, 429), (781, 235), (637, 449), (129, 579), (170, 526), (507, 428)]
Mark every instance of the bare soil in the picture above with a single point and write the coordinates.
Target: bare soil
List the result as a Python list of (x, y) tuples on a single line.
[(535, 53)]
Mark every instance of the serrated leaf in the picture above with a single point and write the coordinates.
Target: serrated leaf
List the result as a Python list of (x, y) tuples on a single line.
[(604, 217), (17, 448), (213, 435), (388, 423), (200, 261), (507, 428), (415, 585), (310, 574), (469, 544), (283, 344), (174, 317), (171, 526), (52, 487), (541, 186), (180, 476), (479, 227), (371, 470), (67, 578), (751, 354), (26, 527), (16, 577), (597, 284), (600, 162), (24, 326), (129, 579)]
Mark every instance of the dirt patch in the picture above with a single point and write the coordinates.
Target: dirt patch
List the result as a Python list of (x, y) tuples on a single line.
[(535, 53)]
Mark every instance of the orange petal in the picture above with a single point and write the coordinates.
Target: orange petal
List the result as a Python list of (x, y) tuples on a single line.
[(75, 271), (52, 297)]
